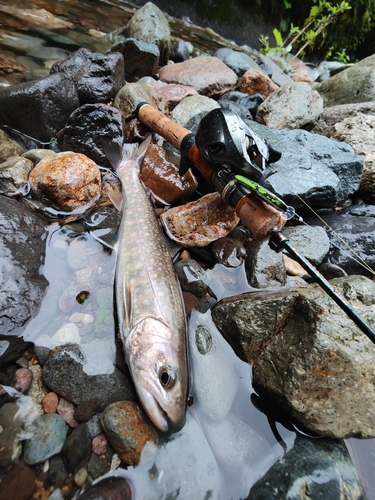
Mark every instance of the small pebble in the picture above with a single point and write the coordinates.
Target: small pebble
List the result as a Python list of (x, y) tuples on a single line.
[(22, 380), (99, 444), (50, 402), (66, 410), (80, 476)]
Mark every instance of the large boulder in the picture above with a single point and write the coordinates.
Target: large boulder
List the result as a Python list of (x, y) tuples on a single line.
[(307, 354), (22, 286)]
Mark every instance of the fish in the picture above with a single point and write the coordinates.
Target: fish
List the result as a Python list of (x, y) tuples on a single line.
[(150, 310)]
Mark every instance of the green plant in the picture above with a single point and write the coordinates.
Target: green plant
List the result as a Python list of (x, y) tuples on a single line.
[(321, 16)]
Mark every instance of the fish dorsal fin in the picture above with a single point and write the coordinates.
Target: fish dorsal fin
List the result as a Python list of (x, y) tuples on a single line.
[(127, 319)]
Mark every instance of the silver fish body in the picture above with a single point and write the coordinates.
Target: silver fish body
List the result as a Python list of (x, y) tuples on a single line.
[(149, 306)]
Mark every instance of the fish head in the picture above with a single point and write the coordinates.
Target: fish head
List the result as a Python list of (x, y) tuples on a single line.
[(159, 372)]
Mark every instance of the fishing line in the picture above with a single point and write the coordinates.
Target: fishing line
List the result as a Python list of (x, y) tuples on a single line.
[(360, 261)]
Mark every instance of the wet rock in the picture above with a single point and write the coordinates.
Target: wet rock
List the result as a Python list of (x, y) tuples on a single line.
[(39, 108), (18, 483), (98, 77), (191, 277), (10, 435), (128, 430), (198, 223), (356, 227), (9, 65), (94, 425), (111, 488), (313, 468), (311, 241), (307, 354), (353, 85), (99, 444), (87, 409), (160, 174), (229, 252), (48, 433), (8, 147), (131, 94), (14, 174), (264, 267), (292, 106), (149, 24), (214, 389), (320, 170), (22, 250), (206, 303), (293, 268), (11, 348), (22, 380), (50, 402), (87, 125), (255, 81), (57, 472), (66, 410), (174, 93), (330, 271), (191, 302), (100, 465), (249, 102), (207, 75), (67, 181), (141, 58), (80, 476), (181, 51), (64, 373), (35, 155), (190, 107), (358, 131), (77, 448)]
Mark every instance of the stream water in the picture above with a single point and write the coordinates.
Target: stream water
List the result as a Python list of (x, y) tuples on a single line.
[(217, 454)]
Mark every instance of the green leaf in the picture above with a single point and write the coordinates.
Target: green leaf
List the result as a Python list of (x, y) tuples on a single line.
[(278, 37)]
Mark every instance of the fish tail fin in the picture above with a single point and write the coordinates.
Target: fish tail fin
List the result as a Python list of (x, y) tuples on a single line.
[(138, 153), (116, 153)]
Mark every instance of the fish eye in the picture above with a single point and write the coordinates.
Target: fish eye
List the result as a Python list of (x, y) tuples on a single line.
[(167, 377)]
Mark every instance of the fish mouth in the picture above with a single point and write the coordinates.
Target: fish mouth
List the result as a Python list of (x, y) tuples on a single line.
[(154, 410)]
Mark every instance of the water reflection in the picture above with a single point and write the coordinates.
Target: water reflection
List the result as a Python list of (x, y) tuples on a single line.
[(78, 305)]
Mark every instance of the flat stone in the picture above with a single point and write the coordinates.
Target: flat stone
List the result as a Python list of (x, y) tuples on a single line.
[(48, 437)]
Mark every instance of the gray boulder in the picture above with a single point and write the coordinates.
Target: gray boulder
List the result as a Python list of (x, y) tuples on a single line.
[(321, 171), (22, 250), (307, 354), (355, 84)]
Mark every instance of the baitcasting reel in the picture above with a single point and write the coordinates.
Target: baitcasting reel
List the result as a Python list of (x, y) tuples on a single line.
[(223, 138)]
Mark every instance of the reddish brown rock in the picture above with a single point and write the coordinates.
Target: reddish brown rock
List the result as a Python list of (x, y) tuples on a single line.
[(19, 483), (160, 174), (207, 75), (191, 302), (173, 93), (66, 410), (301, 72), (67, 180), (255, 81), (198, 223), (22, 380), (99, 444), (128, 429), (50, 402), (8, 66)]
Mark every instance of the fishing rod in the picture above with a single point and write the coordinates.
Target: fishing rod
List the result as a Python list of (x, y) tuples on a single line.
[(235, 161)]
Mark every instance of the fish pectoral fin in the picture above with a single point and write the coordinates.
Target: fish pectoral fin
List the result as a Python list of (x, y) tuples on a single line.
[(127, 306), (106, 236), (116, 198)]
